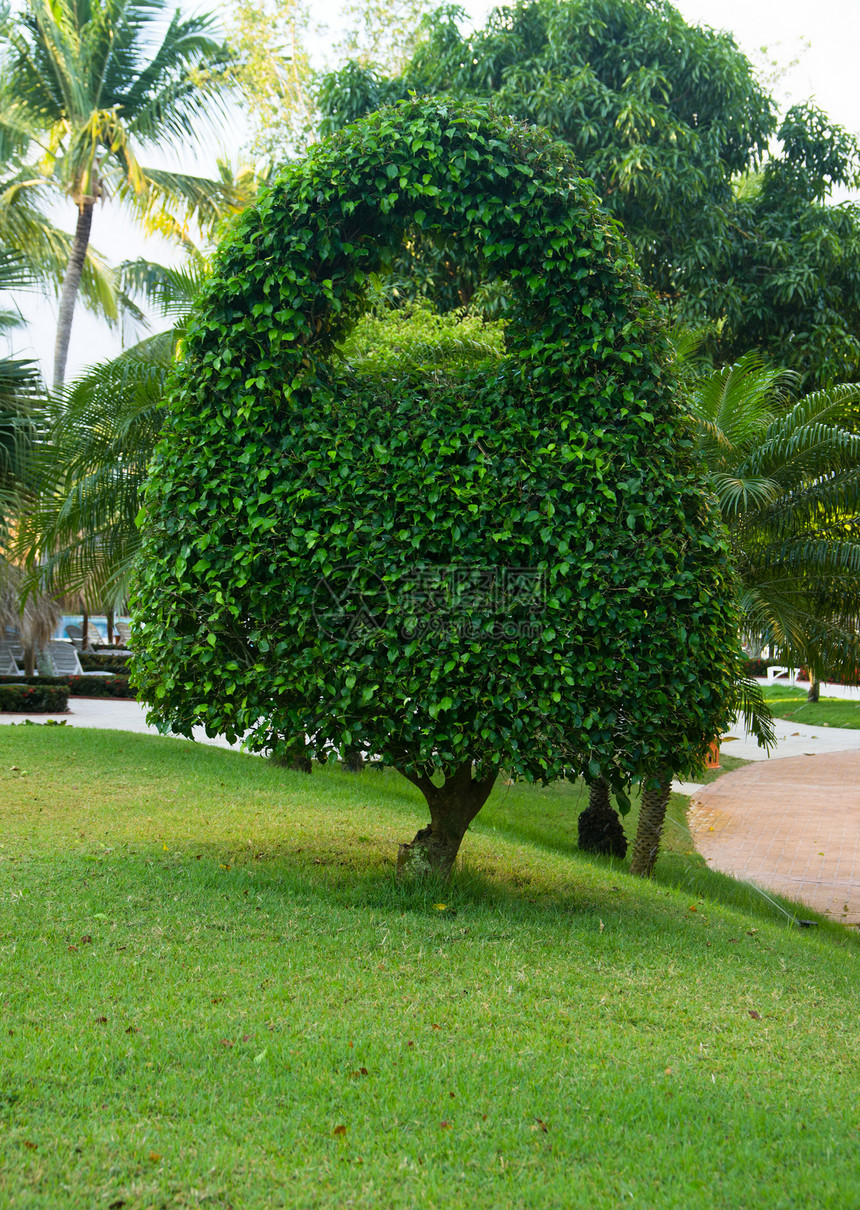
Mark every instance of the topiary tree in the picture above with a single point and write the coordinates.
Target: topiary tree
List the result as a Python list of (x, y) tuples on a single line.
[(510, 565)]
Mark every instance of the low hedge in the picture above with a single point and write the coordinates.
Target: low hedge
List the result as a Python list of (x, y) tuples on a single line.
[(33, 698), (79, 686), (96, 661)]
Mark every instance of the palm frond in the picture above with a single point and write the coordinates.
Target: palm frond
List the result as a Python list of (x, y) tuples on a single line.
[(78, 532), (788, 479)]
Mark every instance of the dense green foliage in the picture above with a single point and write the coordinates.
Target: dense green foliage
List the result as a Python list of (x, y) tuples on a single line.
[(418, 339), (666, 118), (514, 565), (787, 475), (103, 662)]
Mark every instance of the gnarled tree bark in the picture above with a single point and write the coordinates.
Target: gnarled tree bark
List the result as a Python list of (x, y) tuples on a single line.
[(453, 806)]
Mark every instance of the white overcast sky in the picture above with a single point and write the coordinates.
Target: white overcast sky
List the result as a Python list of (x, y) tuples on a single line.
[(823, 35)]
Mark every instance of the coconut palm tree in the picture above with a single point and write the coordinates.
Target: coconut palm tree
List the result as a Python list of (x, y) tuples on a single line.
[(787, 475), (28, 237), (103, 81)]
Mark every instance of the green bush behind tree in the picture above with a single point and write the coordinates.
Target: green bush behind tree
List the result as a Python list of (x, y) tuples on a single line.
[(732, 229)]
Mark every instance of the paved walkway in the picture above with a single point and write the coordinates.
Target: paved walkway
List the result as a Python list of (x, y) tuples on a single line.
[(113, 716), (790, 823)]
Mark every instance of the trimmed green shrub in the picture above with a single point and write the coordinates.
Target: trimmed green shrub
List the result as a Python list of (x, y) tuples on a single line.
[(95, 662), (513, 565), (33, 699), (80, 686)]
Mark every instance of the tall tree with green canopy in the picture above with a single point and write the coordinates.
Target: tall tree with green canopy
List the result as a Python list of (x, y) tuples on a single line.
[(514, 565), (104, 80), (671, 123)]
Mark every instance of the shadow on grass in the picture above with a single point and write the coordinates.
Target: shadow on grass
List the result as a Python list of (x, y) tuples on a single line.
[(225, 816)]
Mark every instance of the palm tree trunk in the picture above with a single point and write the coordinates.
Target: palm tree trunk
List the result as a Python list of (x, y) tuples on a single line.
[(814, 691), (652, 813), (69, 293), (599, 828)]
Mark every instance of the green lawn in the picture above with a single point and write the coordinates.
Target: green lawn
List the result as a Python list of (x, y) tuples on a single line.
[(213, 993), (786, 702)]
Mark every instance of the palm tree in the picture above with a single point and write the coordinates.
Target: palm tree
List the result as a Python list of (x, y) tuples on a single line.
[(787, 475), (29, 238), (104, 80), (77, 532), (19, 396)]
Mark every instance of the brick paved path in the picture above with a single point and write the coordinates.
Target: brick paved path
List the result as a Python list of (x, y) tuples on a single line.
[(789, 825)]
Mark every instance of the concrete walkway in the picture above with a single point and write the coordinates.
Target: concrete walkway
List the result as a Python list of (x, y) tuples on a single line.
[(112, 715), (790, 823)]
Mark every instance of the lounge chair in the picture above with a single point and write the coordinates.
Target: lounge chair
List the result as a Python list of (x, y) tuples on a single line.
[(59, 658), (123, 632), (8, 663), (76, 636)]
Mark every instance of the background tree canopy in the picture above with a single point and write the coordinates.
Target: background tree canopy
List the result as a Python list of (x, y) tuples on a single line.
[(510, 565), (672, 125)]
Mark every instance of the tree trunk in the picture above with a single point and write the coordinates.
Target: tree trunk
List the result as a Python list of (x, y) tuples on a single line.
[(85, 631), (110, 627), (69, 292), (353, 761), (453, 806), (293, 756), (599, 828), (814, 691), (652, 813), (29, 661)]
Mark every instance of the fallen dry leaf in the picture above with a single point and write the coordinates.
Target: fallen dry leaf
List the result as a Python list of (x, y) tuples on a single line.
[(755, 1016), (339, 1130)]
